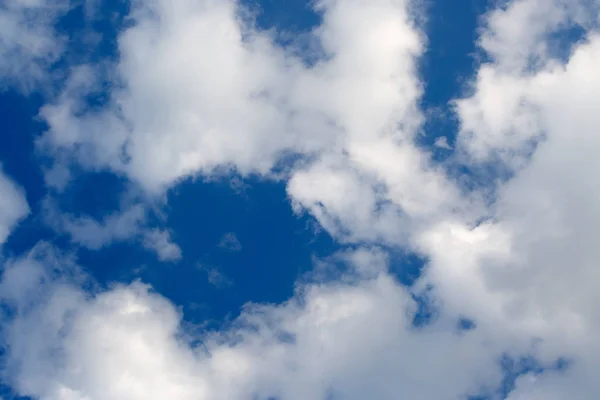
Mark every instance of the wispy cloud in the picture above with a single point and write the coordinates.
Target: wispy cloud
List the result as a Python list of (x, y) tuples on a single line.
[(215, 276), (230, 242)]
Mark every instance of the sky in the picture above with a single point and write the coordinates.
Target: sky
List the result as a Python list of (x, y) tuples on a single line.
[(292, 200)]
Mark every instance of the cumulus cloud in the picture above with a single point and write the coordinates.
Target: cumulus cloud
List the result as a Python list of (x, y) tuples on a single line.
[(211, 106), (203, 91), (13, 205), (503, 117), (346, 340), (214, 276), (239, 101), (532, 266)]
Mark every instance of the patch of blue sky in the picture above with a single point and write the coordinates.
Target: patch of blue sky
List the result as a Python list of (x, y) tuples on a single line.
[(276, 246), (292, 16), (447, 67), (291, 23)]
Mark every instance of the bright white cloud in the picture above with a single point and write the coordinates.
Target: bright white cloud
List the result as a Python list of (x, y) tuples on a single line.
[(215, 276), (349, 340), (532, 268), (239, 101), (442, 143), (503, 116), (182, 112)]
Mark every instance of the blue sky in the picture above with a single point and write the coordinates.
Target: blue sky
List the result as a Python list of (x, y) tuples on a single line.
[(344, 199)]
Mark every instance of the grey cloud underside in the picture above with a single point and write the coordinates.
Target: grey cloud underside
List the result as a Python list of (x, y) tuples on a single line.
[(527, 276)]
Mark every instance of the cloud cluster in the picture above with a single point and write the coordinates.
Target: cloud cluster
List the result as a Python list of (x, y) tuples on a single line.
[(532, 267), (201, 91), (127, 342)]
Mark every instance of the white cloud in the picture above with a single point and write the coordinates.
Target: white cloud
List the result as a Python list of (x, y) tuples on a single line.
[(237, 100), (351, 340), (518, 35), (442, 143), (183, 112), (214, 276), (160, 241), (503, 116), (88, 232), (13, 205)]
